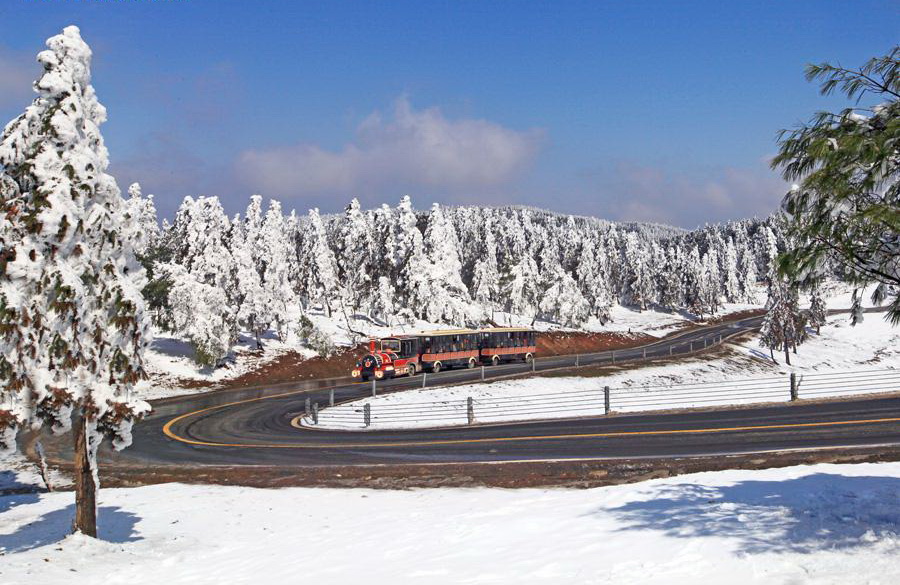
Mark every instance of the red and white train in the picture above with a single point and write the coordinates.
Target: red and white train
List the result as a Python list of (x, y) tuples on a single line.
[(432, 351)]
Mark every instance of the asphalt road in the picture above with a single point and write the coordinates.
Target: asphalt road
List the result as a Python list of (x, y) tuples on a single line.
[(252, 426)]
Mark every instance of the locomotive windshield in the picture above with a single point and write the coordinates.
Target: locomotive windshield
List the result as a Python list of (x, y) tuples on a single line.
[(390, 345)]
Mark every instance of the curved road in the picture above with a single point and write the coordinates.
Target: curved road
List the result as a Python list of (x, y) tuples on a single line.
[(252, 427)]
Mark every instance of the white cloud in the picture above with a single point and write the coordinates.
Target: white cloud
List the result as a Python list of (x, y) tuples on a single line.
[(412, 149), (640, 193)]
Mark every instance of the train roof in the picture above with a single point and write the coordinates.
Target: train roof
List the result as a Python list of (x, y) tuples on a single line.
[(471, 331), (447, 332)]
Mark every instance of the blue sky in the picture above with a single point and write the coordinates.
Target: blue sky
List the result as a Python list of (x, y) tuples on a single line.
[(659, 111)]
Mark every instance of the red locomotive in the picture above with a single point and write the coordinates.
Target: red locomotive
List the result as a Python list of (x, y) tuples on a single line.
[(437, 350)]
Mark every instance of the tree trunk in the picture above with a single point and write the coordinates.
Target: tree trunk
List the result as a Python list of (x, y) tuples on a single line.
[(787, 353), (85, 488), (772, 354)]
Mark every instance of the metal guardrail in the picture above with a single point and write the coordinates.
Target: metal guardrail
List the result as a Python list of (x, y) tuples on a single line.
[(605, 400)]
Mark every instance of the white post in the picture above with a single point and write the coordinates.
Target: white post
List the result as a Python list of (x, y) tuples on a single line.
[(482, 372), (470, 409), (331, 397), (373, 387)]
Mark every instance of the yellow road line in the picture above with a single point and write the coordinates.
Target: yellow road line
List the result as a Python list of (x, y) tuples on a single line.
[(167, 429)]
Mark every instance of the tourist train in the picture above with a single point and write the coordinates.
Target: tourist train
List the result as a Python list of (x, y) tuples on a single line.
[(433, 351)]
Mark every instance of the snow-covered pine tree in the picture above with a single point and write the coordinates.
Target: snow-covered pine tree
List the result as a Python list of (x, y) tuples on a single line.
[(203, 259), (322, 274), (784, 325), (274, 245), (710, 282), (730, 265), (692, 276), (486, 274), (143, 210), (254, 307), (71, 312), (669, 281), (562, 300), (638, 273), (355, 253), (817, 310), (448, 299)]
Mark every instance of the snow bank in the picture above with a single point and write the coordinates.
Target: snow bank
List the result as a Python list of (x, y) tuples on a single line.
[(809, 524)]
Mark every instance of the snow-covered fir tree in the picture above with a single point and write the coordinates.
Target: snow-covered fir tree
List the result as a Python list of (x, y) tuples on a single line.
[(817, 310), (354, 257), (274, 244), (784, 324), (143, 210), (321, 277), (71, 311)]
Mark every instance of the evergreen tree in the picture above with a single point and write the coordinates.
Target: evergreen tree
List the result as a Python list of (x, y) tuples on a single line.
[(275, 248), (322, 276), (817, 310), (845, 208), (71, 312), (784, 325), (355, 241), (143, 211)]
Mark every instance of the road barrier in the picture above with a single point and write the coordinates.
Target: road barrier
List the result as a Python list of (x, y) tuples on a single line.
[(590, 402)]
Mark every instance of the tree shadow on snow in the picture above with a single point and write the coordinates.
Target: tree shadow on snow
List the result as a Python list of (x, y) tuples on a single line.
[(113, 525), (803, 515)]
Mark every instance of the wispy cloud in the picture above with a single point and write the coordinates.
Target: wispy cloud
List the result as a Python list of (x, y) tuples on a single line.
[(408, 150), (630, 192)]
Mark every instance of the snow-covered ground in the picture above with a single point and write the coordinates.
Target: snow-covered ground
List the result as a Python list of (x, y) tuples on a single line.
[(807, 524), (850, 360)]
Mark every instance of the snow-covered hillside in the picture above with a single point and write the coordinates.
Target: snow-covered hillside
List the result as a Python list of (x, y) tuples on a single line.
[(806, 524)]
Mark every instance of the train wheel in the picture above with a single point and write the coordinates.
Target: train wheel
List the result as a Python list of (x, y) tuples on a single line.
[(436, 368), (471, 363), (495, 361), (411, 370), (528, 358)]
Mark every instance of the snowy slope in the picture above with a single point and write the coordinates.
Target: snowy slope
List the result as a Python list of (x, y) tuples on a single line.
[(807, 524)]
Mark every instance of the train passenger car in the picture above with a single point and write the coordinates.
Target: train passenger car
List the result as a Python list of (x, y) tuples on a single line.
[(443, 349), (506, 344)]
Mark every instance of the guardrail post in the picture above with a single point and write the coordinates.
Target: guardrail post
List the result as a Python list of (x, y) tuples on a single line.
[(576, 360), (645, 353), (331, 397), (613, 354), (308, 409), (704, 343), (606, 400), (367, 414), (373, 387), (533, 366), (424, 376), (671, 348), (482, 373), (793, 386), (692, 347), (470, 409), (315, 413)]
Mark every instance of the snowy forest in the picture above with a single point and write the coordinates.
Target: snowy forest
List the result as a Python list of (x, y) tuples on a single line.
[(212, 276)]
